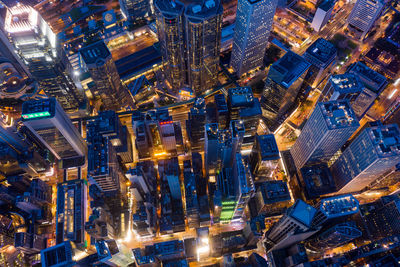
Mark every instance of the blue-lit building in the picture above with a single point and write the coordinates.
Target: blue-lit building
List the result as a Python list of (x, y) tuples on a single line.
[(335, 236), (211, 148), (272, 197), (134, 9), (71, 211), (349, 86), (264, 156), (322, 15), (60, 255), (371, 79), (329, 209), (317, 180), (108, 87), (282, 87), (50, 124), (221, 110), (294, 226), (244, 106), (373, 152), (325, 132), (363, 16), (322, 56), (195, 125), (252, 28)]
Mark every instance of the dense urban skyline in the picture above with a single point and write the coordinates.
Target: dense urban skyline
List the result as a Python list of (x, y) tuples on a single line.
[(199, 133)]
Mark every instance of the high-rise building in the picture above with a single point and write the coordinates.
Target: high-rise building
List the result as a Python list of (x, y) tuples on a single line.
[(36, 45), (282, 86), (252, 29), (272, 197), (170, 31), (58, 255), (325, 132), (322, 56), (322, 15), (349, 86), (373, 152), (71, 211), (190, 40), (329, 209), (195, 124), (102, 69), (221, 110), (364, 15), (335, 236), (294, 226), (203, 26), (264, 156), (50, 124), (211, 148), (243, 106), (371, 79), (134, 9)]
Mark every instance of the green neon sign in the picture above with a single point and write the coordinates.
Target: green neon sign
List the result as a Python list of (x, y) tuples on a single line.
[(36, 115)]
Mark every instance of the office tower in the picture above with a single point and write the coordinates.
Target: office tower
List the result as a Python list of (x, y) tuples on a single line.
[(51, 125), (371, 79), (184, 52), (108, 124), (36, 45), (172, 173), (102, 69), (325, 132), (317, 180), (272, 197), (349, 86), (329, 209), (58, 255), (195, 124), (322, 56), (363, 15), (203, 20), (170, 31), (71, 211), (264, 156), (29, 243), (103, 166), (141, 141), (382, 219), (282, 86), (335, 236), (293, 227), (244, 106), (221, 110), (134, 9), (192, 204), (373, 152), (252, 29), (211, 148), (322, 15), (229, 143)]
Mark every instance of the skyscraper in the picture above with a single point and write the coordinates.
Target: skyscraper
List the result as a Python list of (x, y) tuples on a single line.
[(170, 31), (190, 40), (364, 15), (252, 28), (373, 152), (71, 211), (108, 86), (203, 26), (134, 9), (322, 15), (325, 132), (282, 87), (294, 226), (36, 45), (50, 124)]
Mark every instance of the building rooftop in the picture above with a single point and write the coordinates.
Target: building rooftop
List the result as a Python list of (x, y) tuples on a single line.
[(339, 206), (274, 191), (288, 69), (386, 139), (169, 247), (268, 147), (371, 79), (346, 83), (212, 131), (339, 114), (169, 8), (37, 109), (322, 49), (302, 212), (327, 4), (318, 180), (196, 13), (95, 53), (240, 97), (220, 102)]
